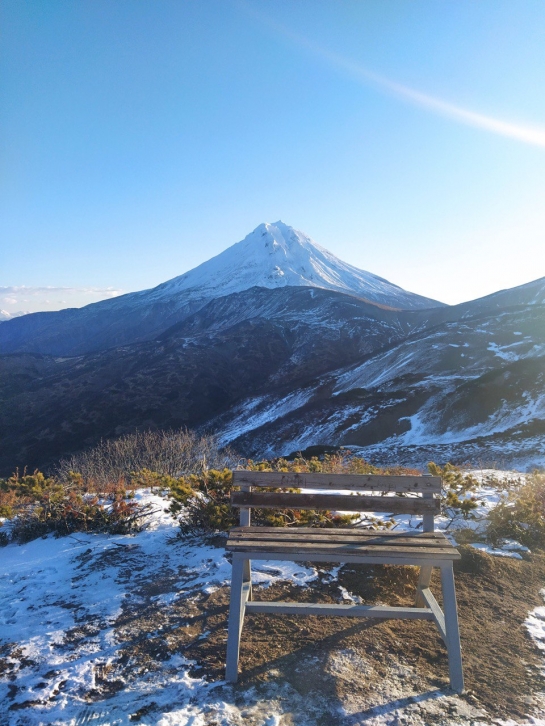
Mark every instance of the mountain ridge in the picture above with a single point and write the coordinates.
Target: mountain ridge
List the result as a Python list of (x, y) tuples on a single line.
[(308, 367)]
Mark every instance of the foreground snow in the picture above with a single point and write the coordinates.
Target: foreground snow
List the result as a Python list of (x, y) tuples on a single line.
[(60, 600)]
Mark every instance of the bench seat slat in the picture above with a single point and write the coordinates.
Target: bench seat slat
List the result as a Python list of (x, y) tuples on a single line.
[(301, 548), (362, 482), (337, 502), (376, 539)]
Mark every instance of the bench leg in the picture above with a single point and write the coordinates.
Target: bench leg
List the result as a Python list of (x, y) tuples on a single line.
[(423, 581), (247, 573), (236, 616), (452, 629)]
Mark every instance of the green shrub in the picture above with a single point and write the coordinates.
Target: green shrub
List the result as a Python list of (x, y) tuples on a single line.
[(35, 505), (457, 502), (341, 462), (205, 500), (520, 513)]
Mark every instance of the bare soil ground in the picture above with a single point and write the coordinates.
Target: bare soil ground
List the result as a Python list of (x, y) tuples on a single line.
[(342, 670), (307, 670)]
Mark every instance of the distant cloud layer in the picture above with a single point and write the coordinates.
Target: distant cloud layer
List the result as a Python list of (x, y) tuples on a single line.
[(17, 300)]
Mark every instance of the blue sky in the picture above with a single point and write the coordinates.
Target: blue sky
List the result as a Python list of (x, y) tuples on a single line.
[(141, 137)]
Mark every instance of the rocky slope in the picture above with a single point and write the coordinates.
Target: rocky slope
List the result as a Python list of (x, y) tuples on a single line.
[(469, 389), (277, 370), (193, 372)]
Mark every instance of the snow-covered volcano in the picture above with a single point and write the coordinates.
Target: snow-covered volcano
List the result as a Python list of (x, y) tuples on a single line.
[(277, 255), (273, 256)]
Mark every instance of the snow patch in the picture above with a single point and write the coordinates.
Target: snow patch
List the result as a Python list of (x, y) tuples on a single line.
[(257, 412), (511, 549), (535, 624)]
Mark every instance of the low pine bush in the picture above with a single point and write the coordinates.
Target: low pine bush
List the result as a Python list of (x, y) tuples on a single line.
[(520, 514), (33, 505), (457, 500), (204, 500)]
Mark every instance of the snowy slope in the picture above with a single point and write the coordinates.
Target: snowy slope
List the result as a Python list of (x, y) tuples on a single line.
[(466, 390), (277, 370), (277, 255)]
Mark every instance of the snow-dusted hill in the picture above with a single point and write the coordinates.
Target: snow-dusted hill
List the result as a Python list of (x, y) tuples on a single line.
[(465, 384), (277, 370), (272, 256), (99, 629)]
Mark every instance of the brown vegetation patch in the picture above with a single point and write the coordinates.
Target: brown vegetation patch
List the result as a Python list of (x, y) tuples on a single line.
[(12, 660)]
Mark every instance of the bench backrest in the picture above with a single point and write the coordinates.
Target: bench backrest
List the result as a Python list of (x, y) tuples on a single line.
[(424, 501)]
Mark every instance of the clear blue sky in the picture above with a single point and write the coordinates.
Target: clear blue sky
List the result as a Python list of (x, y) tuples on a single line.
[(141, 137)]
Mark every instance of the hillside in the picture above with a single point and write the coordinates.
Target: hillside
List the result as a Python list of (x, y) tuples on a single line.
[(131, 629), (469, 389)]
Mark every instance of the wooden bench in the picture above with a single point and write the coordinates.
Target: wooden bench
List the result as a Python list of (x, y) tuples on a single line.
[(423, 548)]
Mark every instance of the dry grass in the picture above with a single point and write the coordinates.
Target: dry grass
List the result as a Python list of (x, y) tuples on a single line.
[(173, 453)]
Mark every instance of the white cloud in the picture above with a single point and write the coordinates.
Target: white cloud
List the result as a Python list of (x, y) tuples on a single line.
[(18, 298)]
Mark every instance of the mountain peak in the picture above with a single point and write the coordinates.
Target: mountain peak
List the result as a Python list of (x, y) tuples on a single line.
[(278, 255), (277, 239)]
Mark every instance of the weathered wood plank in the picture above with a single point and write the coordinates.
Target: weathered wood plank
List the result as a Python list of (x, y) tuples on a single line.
[(337, 502), (424, 578), (245, 518), (362, 482), (300, 548), (451, 629), (236, 617), (309, 538), (414, 558), (336, 531), (351, 611), (428, 521), (282, 534)]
